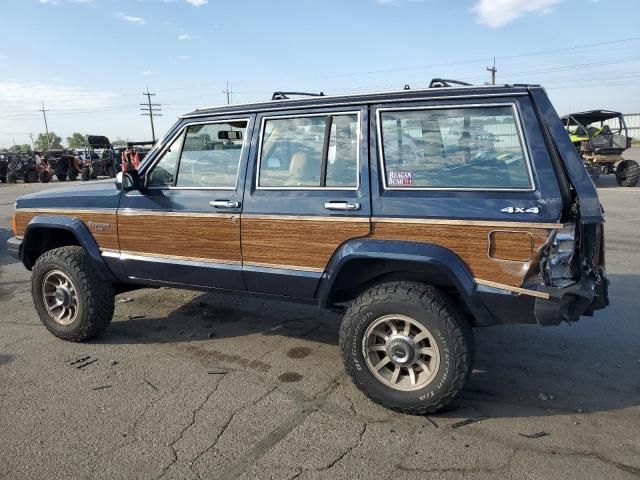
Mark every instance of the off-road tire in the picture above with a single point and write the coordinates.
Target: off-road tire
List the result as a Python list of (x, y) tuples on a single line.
[(628, 173), (45, 176), (3, 179), (85, 174), (12, 177), (61, 177), (433, 309), (31, 176), (95, 295)]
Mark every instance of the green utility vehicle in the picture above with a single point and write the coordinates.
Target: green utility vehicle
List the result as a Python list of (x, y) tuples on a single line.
[(600, 136)]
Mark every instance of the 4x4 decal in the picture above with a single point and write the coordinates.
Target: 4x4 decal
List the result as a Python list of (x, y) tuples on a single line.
[(535, 210)]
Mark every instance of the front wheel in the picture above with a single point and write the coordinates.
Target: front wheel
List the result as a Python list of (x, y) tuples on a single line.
[(12, 177), (628, 173), (406, 347), (71, 298), (85, 174)]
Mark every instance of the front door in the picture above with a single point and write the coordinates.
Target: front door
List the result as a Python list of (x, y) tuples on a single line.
[(307, 193), (184, 227)]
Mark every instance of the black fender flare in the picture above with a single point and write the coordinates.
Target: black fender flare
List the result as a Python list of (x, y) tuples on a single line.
[(69, 224), (387, 255)]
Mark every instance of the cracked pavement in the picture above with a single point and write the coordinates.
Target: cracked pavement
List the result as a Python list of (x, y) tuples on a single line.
[(207, 386)]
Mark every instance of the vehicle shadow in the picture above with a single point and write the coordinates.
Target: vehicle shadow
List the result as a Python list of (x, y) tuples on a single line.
[(519, 370), (5, 258)]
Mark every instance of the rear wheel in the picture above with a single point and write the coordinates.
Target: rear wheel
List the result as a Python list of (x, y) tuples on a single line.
[(12, 177), (405, 346), (45, 176), (85, 174), (628, 173), (61, 177), (31, 176), (71, 298)]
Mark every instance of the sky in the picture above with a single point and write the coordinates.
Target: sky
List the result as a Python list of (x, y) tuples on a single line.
[(90, 60)]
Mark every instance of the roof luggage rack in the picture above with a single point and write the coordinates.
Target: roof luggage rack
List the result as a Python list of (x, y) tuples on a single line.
[(285, 95), (444, 82)]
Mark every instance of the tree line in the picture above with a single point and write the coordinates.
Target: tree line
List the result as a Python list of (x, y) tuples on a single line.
[(54, 142)]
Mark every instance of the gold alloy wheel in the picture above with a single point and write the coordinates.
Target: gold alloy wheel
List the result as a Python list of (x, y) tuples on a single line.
[(401, 352), (60, 297)]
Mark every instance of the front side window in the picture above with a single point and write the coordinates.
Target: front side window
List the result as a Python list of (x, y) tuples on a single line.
[(204, 156), (211, 155), (454, 148), (310, 152)]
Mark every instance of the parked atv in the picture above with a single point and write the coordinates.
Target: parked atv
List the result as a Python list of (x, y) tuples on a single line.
[(23, 166), (601, 144), (3, 168), (64, 164)]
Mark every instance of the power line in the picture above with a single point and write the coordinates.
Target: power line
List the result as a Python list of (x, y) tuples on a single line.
[(46, 127), (493, 71), (149, 109), (229, 92)]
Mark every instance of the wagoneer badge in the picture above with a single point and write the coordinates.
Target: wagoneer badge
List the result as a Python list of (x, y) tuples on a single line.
[(99, 226)]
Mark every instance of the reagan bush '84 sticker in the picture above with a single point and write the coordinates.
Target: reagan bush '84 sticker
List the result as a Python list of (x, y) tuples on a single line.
[(400, 178)]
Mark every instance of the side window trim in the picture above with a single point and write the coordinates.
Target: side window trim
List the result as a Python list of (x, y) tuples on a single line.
[(519, 129), (329, 114), (183, 131)]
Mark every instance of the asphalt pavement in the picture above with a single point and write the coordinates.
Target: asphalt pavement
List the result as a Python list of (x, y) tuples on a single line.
[(188, 385)]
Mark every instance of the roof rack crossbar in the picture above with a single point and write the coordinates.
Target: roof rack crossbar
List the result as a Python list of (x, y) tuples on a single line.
[(445, 82), (285, 95)]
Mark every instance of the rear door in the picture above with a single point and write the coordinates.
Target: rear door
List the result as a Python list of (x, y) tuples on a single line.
[(306, 193), (474, 177), (184, 227)]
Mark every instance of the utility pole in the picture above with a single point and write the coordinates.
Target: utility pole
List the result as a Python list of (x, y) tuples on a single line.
[(229, 92), (33, 147), (46, 127), (149, 110), (493, 71)]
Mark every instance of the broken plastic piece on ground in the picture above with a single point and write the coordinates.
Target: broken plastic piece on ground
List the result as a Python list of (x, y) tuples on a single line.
[(469, 421), (82, 361), (534, 435)]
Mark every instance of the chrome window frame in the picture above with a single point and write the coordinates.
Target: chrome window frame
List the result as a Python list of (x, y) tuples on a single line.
[(270, 106), (263, 123), (521, 138), (183, 128)]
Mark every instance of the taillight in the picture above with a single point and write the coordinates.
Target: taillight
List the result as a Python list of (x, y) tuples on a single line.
[(558, 268)]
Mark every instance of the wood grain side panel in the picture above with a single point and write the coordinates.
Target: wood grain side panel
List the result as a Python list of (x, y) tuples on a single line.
[(510, 245), (471, 244), (211, 238), (295, 242), (103, 226)]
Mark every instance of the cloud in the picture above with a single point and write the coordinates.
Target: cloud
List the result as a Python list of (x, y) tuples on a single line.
[(197, 3), (25, 97), (497, 13), (184, 36), (146, 72), (129, 18), (49, 2)]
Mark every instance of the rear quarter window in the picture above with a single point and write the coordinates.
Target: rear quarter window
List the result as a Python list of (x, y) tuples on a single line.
[(476, 148)]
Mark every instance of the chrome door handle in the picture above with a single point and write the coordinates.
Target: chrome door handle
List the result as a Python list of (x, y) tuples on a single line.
[(351, 206), (224, 204)]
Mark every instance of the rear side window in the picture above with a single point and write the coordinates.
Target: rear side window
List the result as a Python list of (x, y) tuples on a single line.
[(454, 148), (318, 151)]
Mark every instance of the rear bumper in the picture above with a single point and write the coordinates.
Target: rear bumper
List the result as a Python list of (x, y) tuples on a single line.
[(562, 305), (568, 304), (14, 245)]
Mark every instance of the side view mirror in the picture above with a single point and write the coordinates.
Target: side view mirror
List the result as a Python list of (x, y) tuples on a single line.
[(129, 180)]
